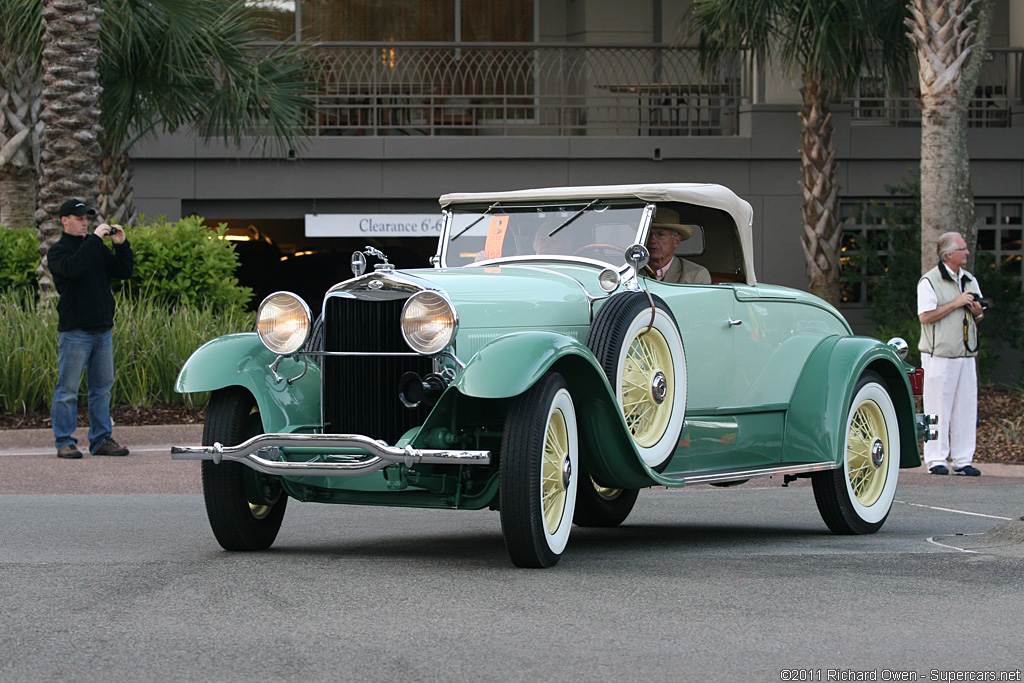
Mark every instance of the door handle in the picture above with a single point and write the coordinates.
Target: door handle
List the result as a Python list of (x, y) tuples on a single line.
[(734, 323)]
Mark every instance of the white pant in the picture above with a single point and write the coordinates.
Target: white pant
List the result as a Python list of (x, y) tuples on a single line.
[(951, 392)]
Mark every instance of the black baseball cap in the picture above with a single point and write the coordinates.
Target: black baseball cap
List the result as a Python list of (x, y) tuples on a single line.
[(75, 207)]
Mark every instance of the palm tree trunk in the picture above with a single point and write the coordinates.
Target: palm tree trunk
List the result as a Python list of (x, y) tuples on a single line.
[(20, 128), (950, 47), (117, 192), (69, 157), (822, 231)]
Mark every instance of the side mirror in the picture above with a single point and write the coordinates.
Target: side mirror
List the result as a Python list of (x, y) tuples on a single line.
[(358, 263)]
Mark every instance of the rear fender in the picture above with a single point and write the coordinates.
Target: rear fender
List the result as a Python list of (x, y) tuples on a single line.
[(242, 360), (816, 421)]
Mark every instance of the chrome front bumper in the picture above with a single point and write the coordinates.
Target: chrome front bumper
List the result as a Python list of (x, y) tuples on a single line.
[(262, 453)]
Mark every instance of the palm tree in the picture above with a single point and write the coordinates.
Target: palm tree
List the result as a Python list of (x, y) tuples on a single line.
[(832, 43), (950, 37), (166, 64), (69, 144), (20, 127), (193, 63)]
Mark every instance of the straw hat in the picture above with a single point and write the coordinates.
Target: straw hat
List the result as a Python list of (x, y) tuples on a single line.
[(669, 219)]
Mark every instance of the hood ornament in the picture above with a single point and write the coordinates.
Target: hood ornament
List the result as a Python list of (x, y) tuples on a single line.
[(359, 260)]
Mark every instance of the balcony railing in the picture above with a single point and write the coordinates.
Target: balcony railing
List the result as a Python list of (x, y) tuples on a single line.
[(394, 88), (404, 88), (997, 101)]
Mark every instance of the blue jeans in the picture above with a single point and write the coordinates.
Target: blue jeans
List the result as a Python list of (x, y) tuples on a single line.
[(77, 351)]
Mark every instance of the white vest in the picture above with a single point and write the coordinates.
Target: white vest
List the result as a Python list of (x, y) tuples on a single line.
[(945, 337)]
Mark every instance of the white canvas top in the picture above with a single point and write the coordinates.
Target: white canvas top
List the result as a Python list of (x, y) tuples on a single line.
[(700, 194)]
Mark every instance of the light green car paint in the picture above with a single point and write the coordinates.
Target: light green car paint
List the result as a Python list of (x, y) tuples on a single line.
[(242, 360)]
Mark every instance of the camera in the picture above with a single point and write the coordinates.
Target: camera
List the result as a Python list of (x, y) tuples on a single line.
[(983, 300)]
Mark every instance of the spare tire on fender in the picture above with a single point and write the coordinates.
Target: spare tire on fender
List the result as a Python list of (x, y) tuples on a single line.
[(645, 363)]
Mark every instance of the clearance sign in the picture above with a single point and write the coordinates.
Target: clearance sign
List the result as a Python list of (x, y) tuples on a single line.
[(373, 225)]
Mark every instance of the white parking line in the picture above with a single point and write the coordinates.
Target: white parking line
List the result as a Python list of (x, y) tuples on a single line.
[(959, 512), (953, 547)]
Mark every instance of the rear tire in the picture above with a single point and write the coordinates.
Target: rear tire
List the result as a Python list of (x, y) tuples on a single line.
[(856, 498), (245, 509), (600, 506)]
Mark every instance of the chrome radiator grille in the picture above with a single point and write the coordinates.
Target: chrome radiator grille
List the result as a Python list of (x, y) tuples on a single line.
[(360, 393)]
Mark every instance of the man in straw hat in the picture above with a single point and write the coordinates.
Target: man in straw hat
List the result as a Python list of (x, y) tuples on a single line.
[(663, 239)]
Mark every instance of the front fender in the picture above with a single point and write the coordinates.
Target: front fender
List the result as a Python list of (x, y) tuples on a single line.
[(511, 364), (242, 360), (816, 421)]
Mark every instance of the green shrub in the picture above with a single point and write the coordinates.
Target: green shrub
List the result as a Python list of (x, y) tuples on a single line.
[(185, 262), (19, 258), (151, 343)]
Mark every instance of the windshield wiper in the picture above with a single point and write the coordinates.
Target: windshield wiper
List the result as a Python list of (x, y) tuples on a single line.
[(482, 216), (573, 217)]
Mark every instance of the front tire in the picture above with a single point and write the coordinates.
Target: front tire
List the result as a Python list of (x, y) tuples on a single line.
[(538, 473), (857, 497), (245, 510)]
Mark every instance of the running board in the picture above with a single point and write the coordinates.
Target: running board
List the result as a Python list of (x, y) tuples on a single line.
[(720, 476)]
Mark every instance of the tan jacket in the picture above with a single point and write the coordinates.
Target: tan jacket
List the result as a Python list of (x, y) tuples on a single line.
[(945, 338), (681, 270)]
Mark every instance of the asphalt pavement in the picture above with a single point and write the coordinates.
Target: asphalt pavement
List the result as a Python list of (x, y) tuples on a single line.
[(738, 584)]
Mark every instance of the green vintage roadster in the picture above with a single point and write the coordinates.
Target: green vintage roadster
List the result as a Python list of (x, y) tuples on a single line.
[(540, 370)]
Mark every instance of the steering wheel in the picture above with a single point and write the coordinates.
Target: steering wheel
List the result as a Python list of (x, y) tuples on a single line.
[(599, 247)]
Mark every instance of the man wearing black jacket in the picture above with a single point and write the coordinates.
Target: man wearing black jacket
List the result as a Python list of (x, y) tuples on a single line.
[(82, 265)]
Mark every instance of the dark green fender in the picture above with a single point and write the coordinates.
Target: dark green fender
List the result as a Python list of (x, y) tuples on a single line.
[(816, 420), (242, 360)]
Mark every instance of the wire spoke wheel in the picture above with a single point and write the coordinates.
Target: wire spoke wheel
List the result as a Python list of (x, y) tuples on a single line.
[(856, 497), (539, 470), (642, 356)]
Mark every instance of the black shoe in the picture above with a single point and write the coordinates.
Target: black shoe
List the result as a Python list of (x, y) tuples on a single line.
[(968, 471), (110, 447), (938, 469), (69, 452)]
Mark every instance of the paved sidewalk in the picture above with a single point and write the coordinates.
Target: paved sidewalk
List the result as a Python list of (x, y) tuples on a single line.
[(29, 463)]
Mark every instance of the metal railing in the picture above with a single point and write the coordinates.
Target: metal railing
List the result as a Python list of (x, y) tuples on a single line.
[(393, 88), (997, 100)]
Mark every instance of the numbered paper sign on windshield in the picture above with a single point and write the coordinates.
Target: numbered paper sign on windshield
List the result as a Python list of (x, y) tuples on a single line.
[(495, 236)]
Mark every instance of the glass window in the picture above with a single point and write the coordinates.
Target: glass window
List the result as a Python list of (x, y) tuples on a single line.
[(574, 230), (399, 20)]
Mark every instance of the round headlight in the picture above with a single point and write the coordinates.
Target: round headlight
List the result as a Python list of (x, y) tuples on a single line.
[(283, 323), (428, 323)]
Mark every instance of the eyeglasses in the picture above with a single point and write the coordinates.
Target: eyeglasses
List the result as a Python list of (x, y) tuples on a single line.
[(663, 234)]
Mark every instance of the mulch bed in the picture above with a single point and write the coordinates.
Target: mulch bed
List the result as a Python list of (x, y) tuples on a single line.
[(1000, 432), (121, 415)]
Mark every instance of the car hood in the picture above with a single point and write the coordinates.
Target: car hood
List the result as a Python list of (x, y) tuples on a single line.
[(521, 295)]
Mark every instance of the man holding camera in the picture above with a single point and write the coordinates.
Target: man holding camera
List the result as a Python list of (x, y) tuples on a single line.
[(949, 307), (82, 265)]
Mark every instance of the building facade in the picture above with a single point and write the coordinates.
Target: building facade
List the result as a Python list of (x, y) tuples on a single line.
[(423, 97)]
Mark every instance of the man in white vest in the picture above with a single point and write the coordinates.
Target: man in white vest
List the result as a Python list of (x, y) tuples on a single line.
[(949, 311)]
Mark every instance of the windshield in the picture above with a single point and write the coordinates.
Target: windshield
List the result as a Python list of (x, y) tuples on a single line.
[(600, 230)]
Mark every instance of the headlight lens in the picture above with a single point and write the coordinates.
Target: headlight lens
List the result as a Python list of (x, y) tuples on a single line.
[(428, 323), (608, 279), (283, 323)]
